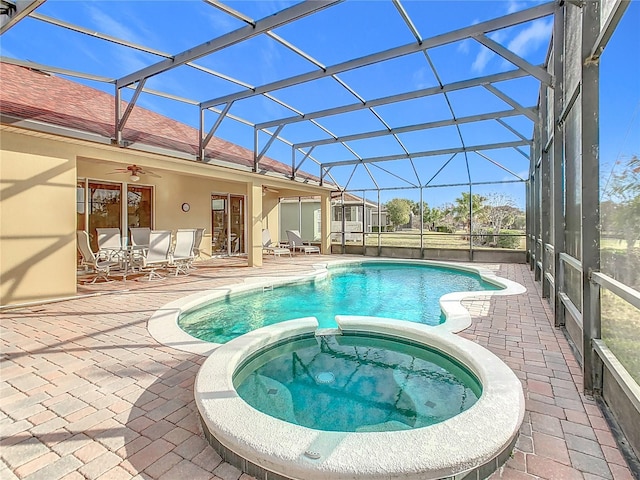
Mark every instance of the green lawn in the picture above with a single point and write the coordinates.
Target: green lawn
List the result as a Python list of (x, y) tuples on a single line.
[(621, 331), (615, 244), (411, 238)]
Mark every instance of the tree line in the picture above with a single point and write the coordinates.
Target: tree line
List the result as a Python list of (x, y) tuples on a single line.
[(483, 216)]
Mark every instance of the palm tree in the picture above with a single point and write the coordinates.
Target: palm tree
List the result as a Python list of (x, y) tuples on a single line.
[(461, 209)]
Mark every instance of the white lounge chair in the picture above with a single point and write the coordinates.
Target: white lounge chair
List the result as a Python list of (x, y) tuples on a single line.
[(269, 247), (296, 243), (182, 256), (102, 268), (158, 255)]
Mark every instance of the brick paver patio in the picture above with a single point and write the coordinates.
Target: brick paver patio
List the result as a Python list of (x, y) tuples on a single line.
[(86, 392)]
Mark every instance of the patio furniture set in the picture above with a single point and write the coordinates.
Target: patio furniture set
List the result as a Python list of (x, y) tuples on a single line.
[(147, 251)]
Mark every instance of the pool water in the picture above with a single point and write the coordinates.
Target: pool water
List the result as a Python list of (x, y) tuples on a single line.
[(402, 291), (356, 383)]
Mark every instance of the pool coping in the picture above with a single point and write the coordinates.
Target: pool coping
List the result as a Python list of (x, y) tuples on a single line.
[(471, 444), (163, 323)]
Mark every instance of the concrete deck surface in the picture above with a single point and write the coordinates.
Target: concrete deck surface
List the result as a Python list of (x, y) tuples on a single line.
[(86, 392)]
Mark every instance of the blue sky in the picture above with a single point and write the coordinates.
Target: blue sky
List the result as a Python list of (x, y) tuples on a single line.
[(349, 30), (620, 96)]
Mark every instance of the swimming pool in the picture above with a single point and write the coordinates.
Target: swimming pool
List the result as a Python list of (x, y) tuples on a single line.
[(405, 291), (163, 323)]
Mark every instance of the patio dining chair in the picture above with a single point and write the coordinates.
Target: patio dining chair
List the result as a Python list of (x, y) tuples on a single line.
[(182, 256), (109, 243), (296, 243), (269, 247), (102, 268), (138, 245), (140, 236), (197, 241), (158, 255)]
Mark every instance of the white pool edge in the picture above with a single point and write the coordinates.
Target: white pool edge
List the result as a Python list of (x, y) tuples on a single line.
[(163, 323), (474, 438)]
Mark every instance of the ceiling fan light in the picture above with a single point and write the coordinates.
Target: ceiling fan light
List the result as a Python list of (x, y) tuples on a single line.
[(134, 177)]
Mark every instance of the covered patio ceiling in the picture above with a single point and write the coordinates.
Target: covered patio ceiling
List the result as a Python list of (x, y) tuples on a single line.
[(365, 95)]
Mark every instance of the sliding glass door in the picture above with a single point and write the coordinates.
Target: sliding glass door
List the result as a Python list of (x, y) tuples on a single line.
[(104, 208), (99, 205), (228, 224), (138, 206)]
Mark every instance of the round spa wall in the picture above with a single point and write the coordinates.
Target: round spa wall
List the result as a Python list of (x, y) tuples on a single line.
[(375, 399)]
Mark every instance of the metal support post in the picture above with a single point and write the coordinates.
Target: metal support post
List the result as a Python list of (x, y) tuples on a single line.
[(545, 200), (590, 188), (537, 198), (557, 159)]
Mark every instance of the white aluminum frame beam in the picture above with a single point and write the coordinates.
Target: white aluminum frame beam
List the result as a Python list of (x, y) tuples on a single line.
[(282, 17), (516, 18), (419, 126), (23, 9), (59, 71), (207, 138), (518, 61), (279, 19), (609, 26), (430, 153), (135, 46), (499, 165), (425, 92), (531, 114), (244, 18)]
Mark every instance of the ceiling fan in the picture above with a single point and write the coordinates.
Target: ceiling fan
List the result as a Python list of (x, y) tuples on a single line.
[(134, 172), (266, 189)]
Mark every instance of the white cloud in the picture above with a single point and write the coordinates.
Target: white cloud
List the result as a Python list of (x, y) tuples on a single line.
[(514, 6), (531, 38), (128, 59), (105, 24), (526, 41), (222, 23), (485, 55), (464, 46), (421, 78), (482, 59), (269, 60)]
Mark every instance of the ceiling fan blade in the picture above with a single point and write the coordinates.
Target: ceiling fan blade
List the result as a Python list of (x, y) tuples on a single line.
[(147, 173)]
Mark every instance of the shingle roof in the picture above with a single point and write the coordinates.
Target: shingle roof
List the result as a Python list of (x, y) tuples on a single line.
[(34, 95)]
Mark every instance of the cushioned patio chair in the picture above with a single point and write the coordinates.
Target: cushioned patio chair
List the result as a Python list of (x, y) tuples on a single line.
[(296, 243), (269, 247), (101, 267)]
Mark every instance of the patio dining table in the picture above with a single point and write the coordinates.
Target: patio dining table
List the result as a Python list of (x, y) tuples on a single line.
[(129, 258)]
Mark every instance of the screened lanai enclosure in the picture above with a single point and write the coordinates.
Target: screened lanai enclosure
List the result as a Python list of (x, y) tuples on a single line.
[(444, 129)]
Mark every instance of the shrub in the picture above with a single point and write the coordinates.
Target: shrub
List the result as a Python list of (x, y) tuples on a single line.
[(508, 239)]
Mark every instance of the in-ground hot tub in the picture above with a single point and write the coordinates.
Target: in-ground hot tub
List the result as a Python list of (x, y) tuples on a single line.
[(479, 439)]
